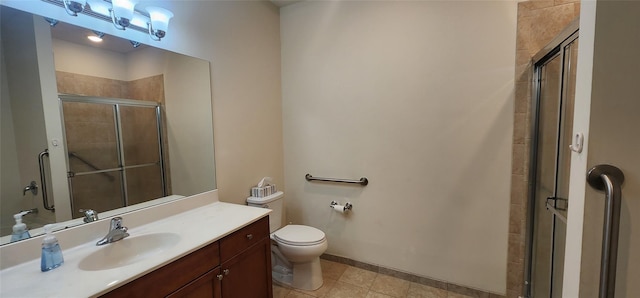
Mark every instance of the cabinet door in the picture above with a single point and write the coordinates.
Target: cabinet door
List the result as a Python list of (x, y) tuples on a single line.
[(207, 285), (249, 273)]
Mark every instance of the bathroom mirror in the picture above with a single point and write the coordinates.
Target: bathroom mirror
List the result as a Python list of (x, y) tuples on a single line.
[(124, 127)]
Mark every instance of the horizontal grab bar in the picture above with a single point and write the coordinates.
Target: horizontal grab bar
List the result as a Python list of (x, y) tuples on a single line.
[(363, 181)]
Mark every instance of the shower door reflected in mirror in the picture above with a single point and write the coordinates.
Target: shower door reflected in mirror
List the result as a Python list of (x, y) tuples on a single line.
[(115, 152), (549, 173)]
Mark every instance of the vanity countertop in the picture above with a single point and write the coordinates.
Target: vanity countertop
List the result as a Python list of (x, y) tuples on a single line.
[(197, 228)]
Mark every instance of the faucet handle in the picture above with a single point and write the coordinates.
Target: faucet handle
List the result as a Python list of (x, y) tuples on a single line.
[(89, 215), (116, 223)]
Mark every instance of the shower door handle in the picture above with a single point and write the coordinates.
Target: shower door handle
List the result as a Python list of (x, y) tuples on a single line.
[(610, 179), (43, 180)]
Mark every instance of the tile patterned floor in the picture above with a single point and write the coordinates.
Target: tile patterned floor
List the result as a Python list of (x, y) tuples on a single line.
[(344, 281)]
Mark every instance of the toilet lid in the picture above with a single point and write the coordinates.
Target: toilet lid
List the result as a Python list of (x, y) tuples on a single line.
[(299, 235)]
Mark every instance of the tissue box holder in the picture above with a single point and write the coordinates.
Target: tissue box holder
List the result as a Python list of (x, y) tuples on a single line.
[(264, 191)]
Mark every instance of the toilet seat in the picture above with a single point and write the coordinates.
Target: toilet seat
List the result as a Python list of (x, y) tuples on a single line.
[(299, 235)]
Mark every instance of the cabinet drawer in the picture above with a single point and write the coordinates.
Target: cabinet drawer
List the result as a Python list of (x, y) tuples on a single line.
[(172, 276), (244, 238)]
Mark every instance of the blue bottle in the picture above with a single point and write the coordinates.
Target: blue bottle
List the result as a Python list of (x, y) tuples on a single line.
[(20, 231), (51, 252)]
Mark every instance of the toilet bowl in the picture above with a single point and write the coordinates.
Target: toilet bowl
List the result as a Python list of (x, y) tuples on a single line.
[(295, 249)]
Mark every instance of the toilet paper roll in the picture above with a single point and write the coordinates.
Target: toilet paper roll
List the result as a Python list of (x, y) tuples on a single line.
[(339, 208)]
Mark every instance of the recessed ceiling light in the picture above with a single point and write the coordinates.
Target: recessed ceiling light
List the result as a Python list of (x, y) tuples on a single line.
[(94, 38), (97, 37)]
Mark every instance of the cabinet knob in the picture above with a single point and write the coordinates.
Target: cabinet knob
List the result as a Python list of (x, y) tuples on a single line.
[(249, 236), (219, 276), (225, 271)]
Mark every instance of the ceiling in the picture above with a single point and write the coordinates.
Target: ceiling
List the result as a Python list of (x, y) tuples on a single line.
[(79, 35)]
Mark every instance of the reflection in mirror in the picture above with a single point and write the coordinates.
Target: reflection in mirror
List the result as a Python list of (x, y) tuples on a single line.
[(127, 127)]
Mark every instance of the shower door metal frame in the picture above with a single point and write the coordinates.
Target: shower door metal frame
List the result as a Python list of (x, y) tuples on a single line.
[(550, 51), (116, 103)]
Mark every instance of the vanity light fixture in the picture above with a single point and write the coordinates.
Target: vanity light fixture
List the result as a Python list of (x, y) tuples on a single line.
[(122, 14), (73, 7), (158, 22), (97, 37)]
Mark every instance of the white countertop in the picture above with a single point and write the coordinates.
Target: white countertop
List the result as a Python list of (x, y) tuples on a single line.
[(197, 228)]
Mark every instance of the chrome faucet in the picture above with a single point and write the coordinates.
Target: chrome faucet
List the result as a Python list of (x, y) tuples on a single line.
[(90, 215), (116, 232)]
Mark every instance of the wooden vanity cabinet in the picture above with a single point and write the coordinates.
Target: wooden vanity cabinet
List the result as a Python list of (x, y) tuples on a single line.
[(246, 262), (239, 265)]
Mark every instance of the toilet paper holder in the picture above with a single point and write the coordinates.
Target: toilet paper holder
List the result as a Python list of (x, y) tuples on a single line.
[(346, 207)]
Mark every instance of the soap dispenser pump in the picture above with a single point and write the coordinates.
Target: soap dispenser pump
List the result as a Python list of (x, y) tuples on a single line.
[(51, 252), (20, 231)]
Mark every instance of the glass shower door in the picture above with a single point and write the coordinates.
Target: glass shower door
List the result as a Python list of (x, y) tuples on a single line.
[(115, 154), (549, 173), (93, 156), (141, 147)]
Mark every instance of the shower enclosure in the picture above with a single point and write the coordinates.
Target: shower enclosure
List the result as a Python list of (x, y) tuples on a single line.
[(552, 115), (115, 152)]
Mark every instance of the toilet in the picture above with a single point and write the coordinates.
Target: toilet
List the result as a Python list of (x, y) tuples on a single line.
[(295, 249)]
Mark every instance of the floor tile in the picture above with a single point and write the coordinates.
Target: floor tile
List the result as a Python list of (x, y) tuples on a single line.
[(391, 286), (456, 295), (344, 281), (332, 270), (280, 292), (422, 291), (373, 294), (295, 294), (359, 277), (345, 290), (327, 285)]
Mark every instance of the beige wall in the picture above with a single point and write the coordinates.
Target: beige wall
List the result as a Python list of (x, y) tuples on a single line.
[(614, 139), (23, 97), (418, 97), (10, 176), (241, 39), (189, 121), (90, 61)]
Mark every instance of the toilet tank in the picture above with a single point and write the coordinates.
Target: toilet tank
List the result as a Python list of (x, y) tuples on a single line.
[(274, 202)]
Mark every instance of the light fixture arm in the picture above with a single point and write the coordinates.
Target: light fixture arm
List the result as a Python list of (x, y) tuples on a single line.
[(114, 21), (154, 33)]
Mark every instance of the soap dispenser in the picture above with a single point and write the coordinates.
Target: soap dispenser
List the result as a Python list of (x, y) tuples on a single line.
[(20, 231), (51, 252)]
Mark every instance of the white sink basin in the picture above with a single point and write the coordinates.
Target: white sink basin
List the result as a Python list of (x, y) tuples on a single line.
[(128, 251)]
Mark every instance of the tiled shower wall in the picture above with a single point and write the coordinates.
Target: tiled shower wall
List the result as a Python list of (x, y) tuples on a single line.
[(538, 23), (143, 183)]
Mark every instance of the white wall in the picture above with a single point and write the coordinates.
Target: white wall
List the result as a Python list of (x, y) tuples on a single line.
[(241, 40), (416, 96)]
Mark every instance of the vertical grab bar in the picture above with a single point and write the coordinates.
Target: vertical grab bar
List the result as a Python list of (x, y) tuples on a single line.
[(43, 180), (610, 179)]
